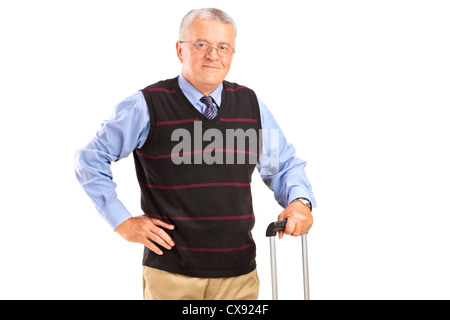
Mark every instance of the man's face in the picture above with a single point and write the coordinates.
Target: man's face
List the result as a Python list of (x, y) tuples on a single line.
[(206, 71)]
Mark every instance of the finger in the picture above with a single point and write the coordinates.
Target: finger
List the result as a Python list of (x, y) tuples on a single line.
[(307, 228), (281, 217), (161, 233), (163, 224), (304, 230), (161, 237), (155, 238), (153, 247), (290, 227), (299, 227)]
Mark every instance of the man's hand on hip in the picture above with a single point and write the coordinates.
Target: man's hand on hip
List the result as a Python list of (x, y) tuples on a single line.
[(146, 230), (299, 219)]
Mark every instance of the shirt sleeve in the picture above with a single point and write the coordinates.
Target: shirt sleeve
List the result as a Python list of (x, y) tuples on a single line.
[(278, 165), (126, 130)]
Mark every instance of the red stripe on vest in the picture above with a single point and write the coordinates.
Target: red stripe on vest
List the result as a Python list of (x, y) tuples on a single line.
[(161, 89), (198, 185), (238, 120), (215, 250), (248, 216)]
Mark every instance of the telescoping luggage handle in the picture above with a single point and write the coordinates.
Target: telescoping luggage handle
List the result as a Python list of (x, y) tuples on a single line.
[(271, 232)]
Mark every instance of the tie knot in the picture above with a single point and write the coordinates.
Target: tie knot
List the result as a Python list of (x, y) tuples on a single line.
[(208, 100), (211, 110)]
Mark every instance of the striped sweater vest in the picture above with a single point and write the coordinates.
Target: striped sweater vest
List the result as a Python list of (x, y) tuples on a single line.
[(207, 195)]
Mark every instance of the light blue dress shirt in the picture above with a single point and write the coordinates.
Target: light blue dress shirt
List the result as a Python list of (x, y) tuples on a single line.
[(128, 128)]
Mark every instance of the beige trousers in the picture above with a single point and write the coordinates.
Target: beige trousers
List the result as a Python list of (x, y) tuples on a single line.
[(162, 285)]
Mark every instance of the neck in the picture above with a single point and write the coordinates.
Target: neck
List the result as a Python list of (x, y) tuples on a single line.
[(206, 90)]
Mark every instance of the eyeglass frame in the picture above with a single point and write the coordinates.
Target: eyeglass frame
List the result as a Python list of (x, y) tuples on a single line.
[(210, 48)]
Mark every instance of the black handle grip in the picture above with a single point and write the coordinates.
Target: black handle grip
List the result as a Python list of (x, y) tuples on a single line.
[(274, 227)]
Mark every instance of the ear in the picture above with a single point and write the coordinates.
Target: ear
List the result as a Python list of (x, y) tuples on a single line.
[(179, 51)]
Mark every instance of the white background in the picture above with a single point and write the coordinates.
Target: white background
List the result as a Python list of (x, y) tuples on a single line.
[(361, 88)]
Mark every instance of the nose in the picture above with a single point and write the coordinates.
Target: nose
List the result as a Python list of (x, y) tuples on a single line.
[(213, 54)]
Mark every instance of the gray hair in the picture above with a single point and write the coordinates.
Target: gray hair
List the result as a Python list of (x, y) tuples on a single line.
[(205, 14)]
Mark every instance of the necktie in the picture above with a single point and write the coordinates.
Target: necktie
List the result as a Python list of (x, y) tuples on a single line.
[(211, 110)]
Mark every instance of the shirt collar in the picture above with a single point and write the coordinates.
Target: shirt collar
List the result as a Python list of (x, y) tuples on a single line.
[(194, 96)]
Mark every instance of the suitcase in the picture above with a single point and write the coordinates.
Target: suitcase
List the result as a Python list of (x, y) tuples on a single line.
[(271, 232)]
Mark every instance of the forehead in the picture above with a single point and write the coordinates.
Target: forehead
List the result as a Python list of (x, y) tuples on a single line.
[(212, 31)]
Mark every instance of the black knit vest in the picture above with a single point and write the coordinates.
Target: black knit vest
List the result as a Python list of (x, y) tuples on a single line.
[(198, 183)]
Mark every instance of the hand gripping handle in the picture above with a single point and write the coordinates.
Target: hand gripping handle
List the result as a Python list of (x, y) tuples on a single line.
[(274, 227)]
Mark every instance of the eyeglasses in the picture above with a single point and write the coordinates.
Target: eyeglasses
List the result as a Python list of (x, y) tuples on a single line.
[(205, 47)]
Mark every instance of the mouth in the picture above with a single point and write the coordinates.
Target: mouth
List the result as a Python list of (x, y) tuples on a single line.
[(210, 67)]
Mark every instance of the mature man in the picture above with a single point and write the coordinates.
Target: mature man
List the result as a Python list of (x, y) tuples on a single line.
[(194, 177)]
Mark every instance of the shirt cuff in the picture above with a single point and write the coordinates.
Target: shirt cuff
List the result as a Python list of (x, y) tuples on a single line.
[(298, 192), (115, 214)]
